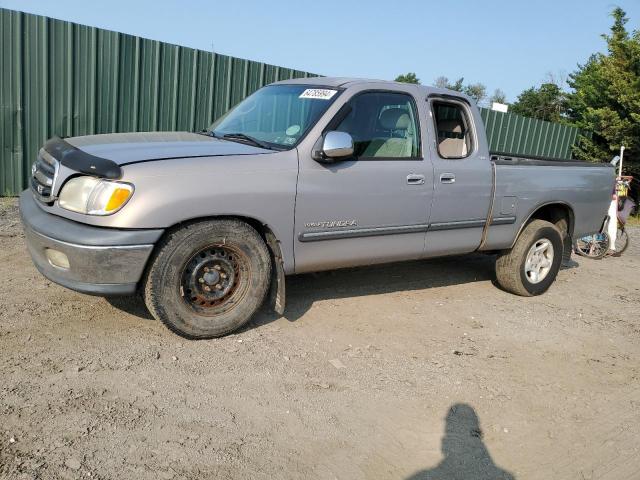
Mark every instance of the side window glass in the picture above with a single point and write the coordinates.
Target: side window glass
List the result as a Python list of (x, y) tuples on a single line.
[(383, 125), (453, 130)]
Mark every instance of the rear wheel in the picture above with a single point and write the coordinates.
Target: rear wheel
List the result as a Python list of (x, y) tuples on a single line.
[(531, 266), (207, 279)]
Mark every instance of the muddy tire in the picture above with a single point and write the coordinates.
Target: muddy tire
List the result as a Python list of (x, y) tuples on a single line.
[(532, 265), (207, 279)]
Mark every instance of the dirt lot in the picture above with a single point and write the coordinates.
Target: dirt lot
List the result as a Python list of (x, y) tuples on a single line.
[(418, 370)]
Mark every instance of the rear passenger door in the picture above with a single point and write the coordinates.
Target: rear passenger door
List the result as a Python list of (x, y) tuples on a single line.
[(462, 178), (373, 207)]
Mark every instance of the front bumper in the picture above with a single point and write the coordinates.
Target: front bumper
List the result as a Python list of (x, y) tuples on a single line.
[(102, 261)]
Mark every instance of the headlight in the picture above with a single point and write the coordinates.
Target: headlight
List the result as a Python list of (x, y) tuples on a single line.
[(94, 196)]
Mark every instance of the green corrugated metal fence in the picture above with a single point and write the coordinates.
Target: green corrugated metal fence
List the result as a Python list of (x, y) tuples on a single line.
[(61, 78), (516, 135)]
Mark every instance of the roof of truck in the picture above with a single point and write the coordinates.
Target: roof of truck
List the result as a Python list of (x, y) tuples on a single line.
[(349, 81), (330, 81)]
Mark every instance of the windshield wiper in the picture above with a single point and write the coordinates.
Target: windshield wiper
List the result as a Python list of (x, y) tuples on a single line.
[(254, 141)]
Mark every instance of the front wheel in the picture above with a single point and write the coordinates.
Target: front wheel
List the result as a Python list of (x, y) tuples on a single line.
[(207, 279), (531, 266)]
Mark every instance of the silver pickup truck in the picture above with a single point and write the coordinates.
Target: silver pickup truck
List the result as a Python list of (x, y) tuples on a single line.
[(303, 175)]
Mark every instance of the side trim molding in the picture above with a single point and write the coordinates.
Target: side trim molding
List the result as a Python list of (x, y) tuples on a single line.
[(503, 220), (361, 232), (399, 230), (457, 225)]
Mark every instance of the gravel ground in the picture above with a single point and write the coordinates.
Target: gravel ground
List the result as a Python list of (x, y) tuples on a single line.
[(416, 370)]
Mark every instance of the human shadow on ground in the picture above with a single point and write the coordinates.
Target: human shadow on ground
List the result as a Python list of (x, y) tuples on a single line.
[(465, 455)]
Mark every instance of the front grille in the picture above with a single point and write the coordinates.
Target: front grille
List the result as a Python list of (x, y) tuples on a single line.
[(43, 176)]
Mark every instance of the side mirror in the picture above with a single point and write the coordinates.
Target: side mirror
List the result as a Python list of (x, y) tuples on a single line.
[(337, 145)]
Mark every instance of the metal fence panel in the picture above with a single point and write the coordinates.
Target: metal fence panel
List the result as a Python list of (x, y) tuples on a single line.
[(61, 78), (65, 79), (516, 135)]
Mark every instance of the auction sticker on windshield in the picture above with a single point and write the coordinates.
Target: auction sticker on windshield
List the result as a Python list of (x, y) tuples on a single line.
[(318, 93)]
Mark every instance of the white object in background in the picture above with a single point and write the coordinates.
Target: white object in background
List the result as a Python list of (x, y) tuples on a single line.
[(620, 164), (499, 107), (612, 227)]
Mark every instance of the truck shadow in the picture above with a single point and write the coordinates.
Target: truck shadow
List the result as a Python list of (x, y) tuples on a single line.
[(133, 305), (304, 290), (465, 456)]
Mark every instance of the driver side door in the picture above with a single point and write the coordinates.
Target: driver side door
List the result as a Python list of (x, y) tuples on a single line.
[(374, 206)]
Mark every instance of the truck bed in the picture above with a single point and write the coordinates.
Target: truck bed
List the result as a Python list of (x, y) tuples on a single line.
[(524, 184)]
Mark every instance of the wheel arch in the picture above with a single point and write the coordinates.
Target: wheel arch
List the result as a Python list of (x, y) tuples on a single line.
[(260, 226), (557, 212), (271, 239)]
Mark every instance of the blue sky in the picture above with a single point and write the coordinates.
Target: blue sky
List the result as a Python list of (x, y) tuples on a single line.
[(510, 45)]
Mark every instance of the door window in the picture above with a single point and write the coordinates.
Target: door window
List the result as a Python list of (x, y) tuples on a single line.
[(453, 129), (383, 126)]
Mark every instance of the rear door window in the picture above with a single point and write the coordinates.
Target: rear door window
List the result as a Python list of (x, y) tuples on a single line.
[(454, 133)]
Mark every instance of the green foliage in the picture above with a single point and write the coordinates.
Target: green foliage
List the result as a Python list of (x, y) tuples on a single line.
[(606, 98), (408, 78), (498, 96), (477, 91), (547, 102)]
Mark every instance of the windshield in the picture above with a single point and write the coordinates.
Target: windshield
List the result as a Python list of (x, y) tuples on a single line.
[(277, 115)]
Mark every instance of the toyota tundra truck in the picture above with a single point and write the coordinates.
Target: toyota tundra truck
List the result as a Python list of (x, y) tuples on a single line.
[(303, 175)]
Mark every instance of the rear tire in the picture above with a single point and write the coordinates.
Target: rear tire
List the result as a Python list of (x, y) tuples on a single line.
[(207, 279), (532, 265)]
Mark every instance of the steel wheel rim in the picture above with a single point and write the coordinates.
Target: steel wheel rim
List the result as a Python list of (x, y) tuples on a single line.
[(539, 260), (215, 279)]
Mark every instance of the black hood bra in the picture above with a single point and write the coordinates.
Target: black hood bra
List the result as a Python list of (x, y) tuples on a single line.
[(81, 161)]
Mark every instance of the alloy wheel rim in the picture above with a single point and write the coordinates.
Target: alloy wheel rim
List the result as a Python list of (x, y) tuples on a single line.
[(539, 260)]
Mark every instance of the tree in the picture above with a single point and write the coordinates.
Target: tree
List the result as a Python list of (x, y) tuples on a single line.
[(606, 97), (547, 102), (443, 82), (498, 96), (477, 91), (408, 78)]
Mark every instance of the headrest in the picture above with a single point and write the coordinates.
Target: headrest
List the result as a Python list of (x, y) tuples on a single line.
[(450, 126), (395, 119)]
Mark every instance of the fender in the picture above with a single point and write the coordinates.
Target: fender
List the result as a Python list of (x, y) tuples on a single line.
[(538, 207)]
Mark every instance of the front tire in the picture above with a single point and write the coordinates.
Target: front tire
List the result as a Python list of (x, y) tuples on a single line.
[(532, 265), (207, 279)]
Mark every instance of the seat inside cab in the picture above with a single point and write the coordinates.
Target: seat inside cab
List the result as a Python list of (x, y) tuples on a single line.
[(394, 136), (453, 130)]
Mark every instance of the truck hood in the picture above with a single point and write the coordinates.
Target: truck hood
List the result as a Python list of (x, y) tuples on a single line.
[(124, 148)]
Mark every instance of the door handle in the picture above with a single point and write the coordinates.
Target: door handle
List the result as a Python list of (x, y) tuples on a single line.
[(415, 179), (447, 178)]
